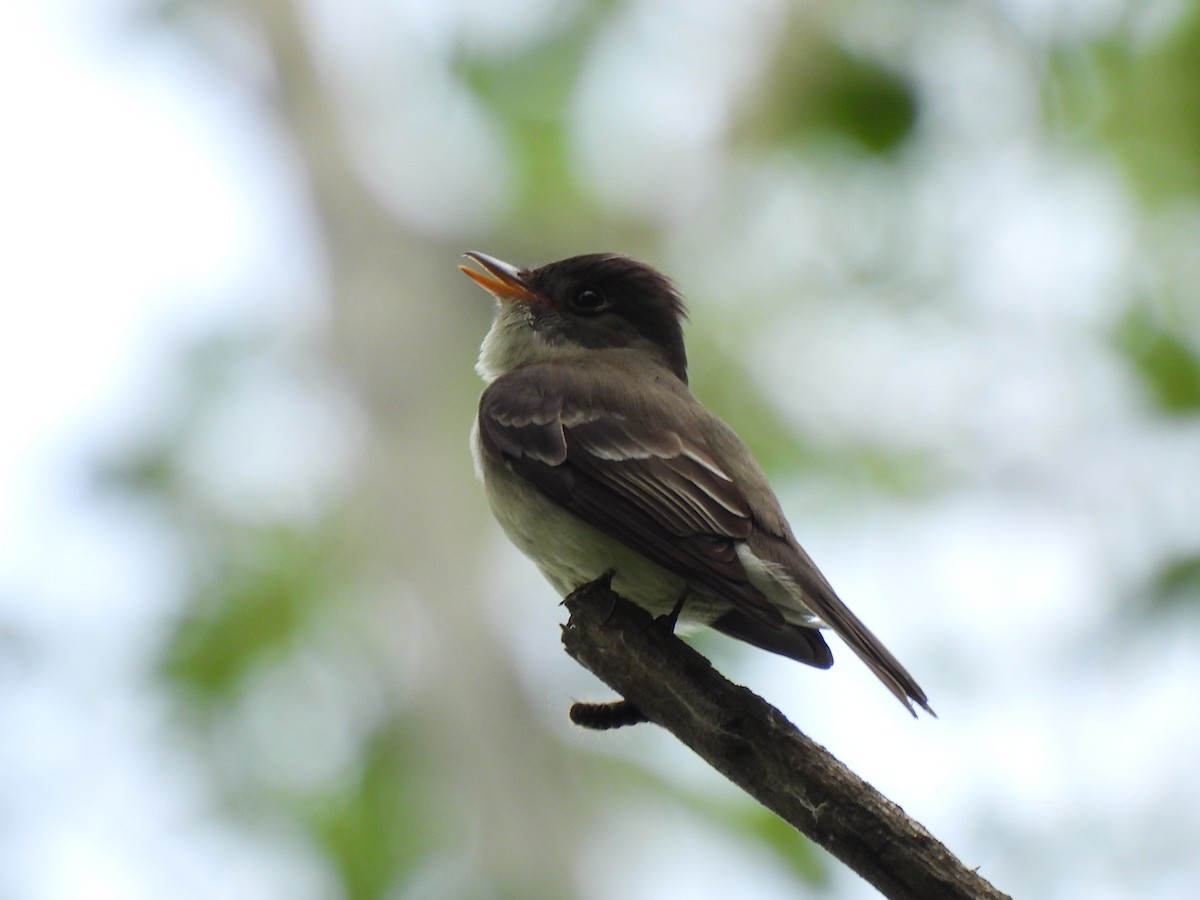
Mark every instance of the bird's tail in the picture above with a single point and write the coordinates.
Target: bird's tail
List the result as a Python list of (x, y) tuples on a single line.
[(877, 657), (819, 597)]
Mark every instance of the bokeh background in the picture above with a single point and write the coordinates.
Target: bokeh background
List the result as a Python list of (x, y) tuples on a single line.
[(259, 637)]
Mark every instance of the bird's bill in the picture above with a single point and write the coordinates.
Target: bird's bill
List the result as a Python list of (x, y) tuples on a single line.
[(502, 280)]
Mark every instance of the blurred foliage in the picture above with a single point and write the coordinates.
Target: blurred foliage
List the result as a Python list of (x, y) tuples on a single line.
[(1168, 365), (1141, 98), (205, 373), (254, 585), (743, 819), (819, 91), (528, 95), (380, 828), (1177, 586), (256, 588), (804, 860), (256, 592), (724, 385), (252, 605), (727, 388)]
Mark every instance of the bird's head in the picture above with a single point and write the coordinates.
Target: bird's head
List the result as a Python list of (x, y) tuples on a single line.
[(593, 302)]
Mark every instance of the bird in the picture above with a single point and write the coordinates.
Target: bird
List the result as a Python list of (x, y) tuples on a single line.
[(598, 461)]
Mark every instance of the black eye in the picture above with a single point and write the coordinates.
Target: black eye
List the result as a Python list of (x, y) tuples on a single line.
[(588, 302)]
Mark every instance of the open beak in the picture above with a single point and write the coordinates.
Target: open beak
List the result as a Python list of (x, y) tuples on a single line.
[(502, 280)]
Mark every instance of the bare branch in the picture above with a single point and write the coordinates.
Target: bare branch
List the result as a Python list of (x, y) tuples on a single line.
[(754, 746)]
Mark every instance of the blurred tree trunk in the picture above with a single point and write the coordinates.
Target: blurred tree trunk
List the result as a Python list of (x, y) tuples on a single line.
[(416, 512)]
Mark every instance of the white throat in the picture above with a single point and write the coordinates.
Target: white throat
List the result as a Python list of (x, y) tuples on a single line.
[(513, 342)]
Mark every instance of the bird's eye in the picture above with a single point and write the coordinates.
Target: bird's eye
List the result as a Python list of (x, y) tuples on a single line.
[(588, 302)]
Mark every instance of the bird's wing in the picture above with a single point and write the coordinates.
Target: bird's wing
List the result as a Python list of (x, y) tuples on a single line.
[(655, 482), (651, 481)]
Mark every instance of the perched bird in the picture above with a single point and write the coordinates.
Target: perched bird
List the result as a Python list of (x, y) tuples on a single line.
[(597, 458)]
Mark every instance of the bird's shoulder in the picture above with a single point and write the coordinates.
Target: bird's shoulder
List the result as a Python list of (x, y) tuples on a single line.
[(613, 386)]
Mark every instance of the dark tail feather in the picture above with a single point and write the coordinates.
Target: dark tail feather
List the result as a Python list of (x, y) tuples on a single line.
[(894, 675), (806, 645), (817, 594), (793, 641), (878, 658)]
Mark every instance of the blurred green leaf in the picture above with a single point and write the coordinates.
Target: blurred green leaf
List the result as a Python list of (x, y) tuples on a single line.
[(802, 857), (821, 90), (384, 824), (1168, 364), (529, 94), (1177, 586), (264, 587), (1143, 100)]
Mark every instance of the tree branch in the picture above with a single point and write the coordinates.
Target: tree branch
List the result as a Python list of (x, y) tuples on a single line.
[(754, 746)]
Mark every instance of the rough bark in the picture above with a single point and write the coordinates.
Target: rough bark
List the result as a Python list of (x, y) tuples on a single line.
[(753, 745)]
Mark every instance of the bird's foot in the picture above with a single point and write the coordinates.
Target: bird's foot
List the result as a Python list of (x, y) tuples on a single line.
[(670, 619)]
